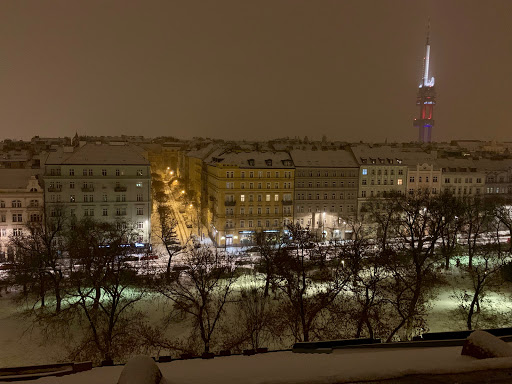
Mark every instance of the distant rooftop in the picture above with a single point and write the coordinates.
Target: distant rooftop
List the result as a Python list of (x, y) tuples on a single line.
[(99, 154)]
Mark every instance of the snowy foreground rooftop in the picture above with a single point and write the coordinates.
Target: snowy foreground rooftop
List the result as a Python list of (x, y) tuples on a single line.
[(342, 366)]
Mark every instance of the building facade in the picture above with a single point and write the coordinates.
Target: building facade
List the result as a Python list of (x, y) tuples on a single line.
[(248, 192), (326, 185), (21, 202), (103, 182)]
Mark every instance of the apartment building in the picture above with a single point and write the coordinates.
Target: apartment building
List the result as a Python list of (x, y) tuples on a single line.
[(247, 192), (381, 170), (103, 181), (21, 202), (424, 177), (461, 177), (326, 184)]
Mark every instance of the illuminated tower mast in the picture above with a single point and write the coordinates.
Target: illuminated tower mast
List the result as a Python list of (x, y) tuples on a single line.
[(426, 98)]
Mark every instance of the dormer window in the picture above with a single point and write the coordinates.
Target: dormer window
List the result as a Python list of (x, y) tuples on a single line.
[(268, 162), (398, 161), (251, 162)]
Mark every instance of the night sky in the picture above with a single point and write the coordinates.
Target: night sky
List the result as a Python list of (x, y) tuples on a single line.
[(253, 69)]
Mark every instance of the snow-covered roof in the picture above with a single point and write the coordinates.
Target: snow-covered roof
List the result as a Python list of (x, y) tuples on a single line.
[(252, 159), (100, 154), (387, 155), (331, 158), (16, 178)]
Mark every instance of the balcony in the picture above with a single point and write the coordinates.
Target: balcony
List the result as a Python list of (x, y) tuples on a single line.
[(54, 189), (287, 202), (229, 203), (120, 188), (87, 189)]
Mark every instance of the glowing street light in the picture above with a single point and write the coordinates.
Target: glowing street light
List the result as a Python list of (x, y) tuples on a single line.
[(182, 192)]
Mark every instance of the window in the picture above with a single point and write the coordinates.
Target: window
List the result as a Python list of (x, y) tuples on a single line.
[(84, 172), (259, 197), (17, 218), (276, 197), (399, 182), (2, 204), (16, 204), (104, 172), (363, 193), (3, 232), (434, 179), (34, 203), (17, 232), (242, 174), (242, 185), (105, 212), (139, 172), (411, 179), (140, 210), (90, 174), (242, 198), (242, 223), (250, 223), (120, 211), (363, 182), (71, 172), (140, 225), (71, 185), (139, 196), (259, 185), (230, 185), (3, 218), (251, 174), (267, 197)]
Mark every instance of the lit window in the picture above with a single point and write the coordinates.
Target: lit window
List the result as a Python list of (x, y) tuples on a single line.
[(365, 171), (399, 182)]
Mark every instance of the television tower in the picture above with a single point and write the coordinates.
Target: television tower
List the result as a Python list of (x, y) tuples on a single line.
[(426, 98)]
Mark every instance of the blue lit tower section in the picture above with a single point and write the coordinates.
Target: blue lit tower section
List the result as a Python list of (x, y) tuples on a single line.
[(426, 99)]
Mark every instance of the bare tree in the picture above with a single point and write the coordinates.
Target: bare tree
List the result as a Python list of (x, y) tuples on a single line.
[(484, 275), (453, 212), (268, 245), (166, 233), (368, 275), (103, 288), (307, 286), (477, 214), (40, 247), (413, 267), (202, 290)]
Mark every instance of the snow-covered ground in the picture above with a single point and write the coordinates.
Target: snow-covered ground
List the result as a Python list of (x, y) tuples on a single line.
[(341, 366)]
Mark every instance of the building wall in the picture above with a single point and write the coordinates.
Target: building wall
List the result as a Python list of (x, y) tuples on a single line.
[(102, 192), (424, 177), (326, 199), (376, 179), (245, 200), (17, 208)]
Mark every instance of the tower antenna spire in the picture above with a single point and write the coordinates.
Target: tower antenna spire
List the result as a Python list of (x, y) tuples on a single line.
[(426, 97), (428, 31)]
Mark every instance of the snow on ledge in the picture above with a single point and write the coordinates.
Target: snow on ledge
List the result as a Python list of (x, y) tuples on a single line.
[(341, 366)]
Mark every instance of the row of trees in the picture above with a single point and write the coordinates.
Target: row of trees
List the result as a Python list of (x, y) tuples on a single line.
[(379, 284)]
